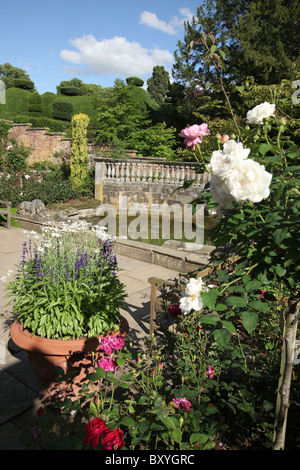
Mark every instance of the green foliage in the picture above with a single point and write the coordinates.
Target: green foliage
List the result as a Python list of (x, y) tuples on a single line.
[(16, 103), (156, 141), (8, 73), (35, 104), (23, 83), (54, 125), (62, 110), (14, 160), (49, 186), (74, 82), (71, 91), (258, 44), (141, 99), (118, 116), (158, 84), (78, 160), (134, 81)]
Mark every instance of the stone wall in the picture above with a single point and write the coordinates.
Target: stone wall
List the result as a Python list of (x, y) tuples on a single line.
[(146, 181), (43, 144)]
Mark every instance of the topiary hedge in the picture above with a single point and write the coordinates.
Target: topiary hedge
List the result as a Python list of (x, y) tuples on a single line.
[(23, 83), (62, 110), (71, 91), (54, 125), (35, 104), (134, 81)]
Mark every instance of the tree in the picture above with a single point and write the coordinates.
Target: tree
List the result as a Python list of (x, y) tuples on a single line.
[(158, 84), (74, 82), (260, 38), (189, 68), (118, 116), (266, 38), (8, 73)]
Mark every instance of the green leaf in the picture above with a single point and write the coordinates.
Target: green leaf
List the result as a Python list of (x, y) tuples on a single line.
[(127, 421), (279, 235), (176, 435), (222, 337), (264, 148), (209, 298), (221, 307), (93, 408), (198, 437), (280, 271), (252, 285), (229, 326), (250, 320), (209, 319), (236, 301), (170, 422), (259, 305)]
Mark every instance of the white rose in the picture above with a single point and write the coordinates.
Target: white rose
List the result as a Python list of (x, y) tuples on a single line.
[(223, 160), (191, 299), (260, 112), (250, 181), (220, 191)]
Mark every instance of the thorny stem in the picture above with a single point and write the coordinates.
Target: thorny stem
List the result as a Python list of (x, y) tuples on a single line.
[(215, 61)]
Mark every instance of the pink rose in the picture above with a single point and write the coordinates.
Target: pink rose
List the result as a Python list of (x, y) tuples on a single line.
[(194, 134), (107, 363), (182, 403), (210, 372), (110, 343)]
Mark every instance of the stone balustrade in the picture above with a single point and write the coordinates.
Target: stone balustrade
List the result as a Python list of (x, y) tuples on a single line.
[(145, 176)]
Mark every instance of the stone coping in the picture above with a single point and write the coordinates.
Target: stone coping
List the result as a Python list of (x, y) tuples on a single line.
[(177, 259)]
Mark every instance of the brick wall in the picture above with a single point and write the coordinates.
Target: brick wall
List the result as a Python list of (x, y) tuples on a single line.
[(43, 144)]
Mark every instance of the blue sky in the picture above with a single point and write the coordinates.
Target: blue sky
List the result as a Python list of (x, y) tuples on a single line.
[(96, 41)]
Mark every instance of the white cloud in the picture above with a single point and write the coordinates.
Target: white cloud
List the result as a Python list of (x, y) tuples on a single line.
[(148, 18), (113, 56)]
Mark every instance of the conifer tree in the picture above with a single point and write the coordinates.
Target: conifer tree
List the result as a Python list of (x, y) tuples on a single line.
[(158, 84)]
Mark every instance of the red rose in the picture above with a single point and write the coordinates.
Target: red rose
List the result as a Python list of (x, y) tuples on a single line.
[(113, 440), (174, 310), (95, 428), (40, 411)]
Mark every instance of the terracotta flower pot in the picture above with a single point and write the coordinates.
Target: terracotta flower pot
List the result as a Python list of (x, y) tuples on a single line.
[(76, 356)]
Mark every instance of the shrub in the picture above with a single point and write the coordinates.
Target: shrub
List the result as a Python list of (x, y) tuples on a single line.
[(54, 125), (23, 83), (134, 81), (49, 187), (71, 91), (15, 157), (78, 161), (62, 110), (35, 104)]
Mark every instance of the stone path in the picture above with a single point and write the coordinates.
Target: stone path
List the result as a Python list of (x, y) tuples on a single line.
[(18, 387)]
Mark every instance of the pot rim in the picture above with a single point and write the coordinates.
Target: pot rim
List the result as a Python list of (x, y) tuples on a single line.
[(57, 347)]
